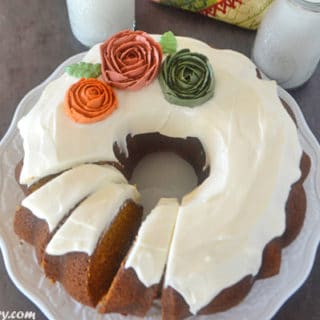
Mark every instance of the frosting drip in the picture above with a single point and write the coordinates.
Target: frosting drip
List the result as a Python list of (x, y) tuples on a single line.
[(251, 146), (149, 253)]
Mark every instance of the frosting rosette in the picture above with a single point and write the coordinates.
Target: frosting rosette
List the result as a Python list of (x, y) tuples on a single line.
[(89, 100), (187, 79), (130, 60)]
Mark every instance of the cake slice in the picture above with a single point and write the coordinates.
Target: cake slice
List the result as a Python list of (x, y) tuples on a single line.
[(86, 252), (39, 217), (138, 281)]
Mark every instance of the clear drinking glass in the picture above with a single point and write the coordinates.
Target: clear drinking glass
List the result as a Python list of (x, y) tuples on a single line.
[(93, 21), (287, 45)]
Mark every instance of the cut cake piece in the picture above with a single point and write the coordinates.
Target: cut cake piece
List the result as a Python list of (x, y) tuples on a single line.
[(138, 281), (38, 218), (86, 252)]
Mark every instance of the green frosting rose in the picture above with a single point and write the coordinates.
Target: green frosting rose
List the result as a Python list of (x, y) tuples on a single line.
[(186, 78)]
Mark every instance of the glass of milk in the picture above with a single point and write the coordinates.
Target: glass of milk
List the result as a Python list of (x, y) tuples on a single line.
[(93, 21), (287, 45)]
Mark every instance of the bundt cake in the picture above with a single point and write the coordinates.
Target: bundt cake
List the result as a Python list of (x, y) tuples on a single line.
[(132, 96)]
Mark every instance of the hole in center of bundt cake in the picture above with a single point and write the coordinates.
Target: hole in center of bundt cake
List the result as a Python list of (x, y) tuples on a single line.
[(162, 174), (156, 154)]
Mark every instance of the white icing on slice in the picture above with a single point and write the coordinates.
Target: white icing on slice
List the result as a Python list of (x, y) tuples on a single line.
[(82, 230), (149, 253), (57, 197)]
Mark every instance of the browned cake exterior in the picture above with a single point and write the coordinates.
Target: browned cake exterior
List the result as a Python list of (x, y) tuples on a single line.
[(33, 230), (175, 307), (134, 298)]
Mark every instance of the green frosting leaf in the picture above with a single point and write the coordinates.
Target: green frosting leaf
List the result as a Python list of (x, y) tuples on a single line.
[(186, 78), (84, 70), (168, 42)]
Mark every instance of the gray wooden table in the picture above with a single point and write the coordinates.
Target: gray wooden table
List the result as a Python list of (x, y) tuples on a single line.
[(35, 38)]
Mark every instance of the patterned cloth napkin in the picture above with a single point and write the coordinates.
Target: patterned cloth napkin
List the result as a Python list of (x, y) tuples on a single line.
[(243, 13)]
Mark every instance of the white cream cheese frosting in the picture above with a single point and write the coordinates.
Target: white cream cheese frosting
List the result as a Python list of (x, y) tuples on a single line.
[(251, 146), (82, 230), (56, 198), (149, 252)]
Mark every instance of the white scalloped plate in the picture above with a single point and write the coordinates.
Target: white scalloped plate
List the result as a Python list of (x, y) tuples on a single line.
[(264, 299)]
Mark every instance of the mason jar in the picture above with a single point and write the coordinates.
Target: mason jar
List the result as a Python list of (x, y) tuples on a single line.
[(287, 44)]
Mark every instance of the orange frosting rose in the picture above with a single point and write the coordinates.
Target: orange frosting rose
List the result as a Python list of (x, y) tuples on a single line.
[(130, 60), (90, 100)]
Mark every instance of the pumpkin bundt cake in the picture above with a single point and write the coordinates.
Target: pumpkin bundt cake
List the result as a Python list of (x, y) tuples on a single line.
[(131, 96)]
